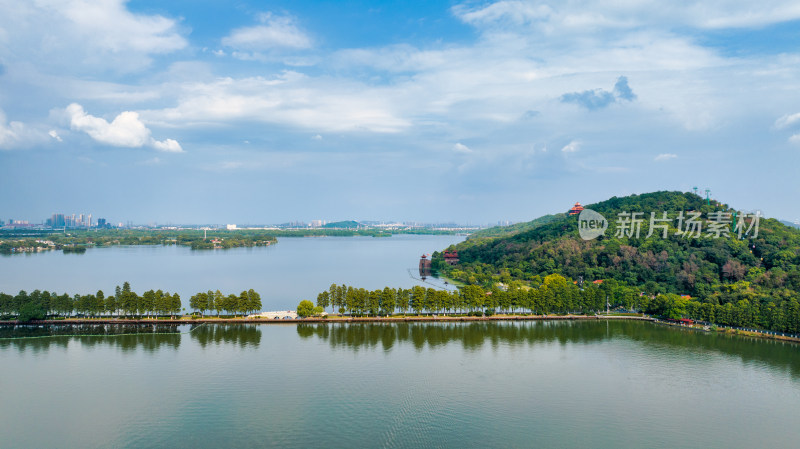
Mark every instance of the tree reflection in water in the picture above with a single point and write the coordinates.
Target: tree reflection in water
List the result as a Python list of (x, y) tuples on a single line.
[(149, 337), (242, 335), (476, 335), (126, 337)]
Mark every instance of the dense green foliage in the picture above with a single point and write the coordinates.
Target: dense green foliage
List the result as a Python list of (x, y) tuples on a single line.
[(246, 302), (758, 275), (40, 304), (554, 295), (124, 302), (305, 308)]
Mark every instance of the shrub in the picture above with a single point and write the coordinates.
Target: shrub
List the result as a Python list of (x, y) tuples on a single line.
[(305, 308)]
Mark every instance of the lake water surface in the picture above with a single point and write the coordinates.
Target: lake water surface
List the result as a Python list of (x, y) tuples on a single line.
[(507, 384), (284, 273)]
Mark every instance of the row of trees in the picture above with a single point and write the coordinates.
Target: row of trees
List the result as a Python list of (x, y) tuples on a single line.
[(557, 294), (40, 304), (554, 295), (246, 302), (124, 302)]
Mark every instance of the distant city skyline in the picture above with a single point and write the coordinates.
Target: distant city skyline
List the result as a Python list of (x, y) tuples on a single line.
[(59, 220), (87, 220), (459, 111)]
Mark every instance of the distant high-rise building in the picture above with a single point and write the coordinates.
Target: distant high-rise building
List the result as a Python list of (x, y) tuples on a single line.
[(89, 221), (57, 221), (101, 223)]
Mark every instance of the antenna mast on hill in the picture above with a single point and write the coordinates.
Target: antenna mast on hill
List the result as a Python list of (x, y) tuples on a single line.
[(708, 200), (695, 189)]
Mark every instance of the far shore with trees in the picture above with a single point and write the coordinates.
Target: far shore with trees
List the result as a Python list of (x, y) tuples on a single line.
[(78, 240)]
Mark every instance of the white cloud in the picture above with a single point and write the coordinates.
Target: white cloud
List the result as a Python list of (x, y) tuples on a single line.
[(316, 137), (588, 15), (167, 146), (16, 135), (665, 156), (9, 132), (571, 147), (275, 32), (82, 35), (795, 138), (54, 134), (461, 148), (126, 130), (518, 12), (118, 30), (289, 99), (787, 120)]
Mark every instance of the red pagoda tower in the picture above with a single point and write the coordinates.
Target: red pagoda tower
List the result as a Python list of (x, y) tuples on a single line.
[(576, 209)]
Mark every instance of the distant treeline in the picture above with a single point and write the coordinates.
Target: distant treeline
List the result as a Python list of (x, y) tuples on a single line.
[(77, 240), (124, 302), (555, 294)]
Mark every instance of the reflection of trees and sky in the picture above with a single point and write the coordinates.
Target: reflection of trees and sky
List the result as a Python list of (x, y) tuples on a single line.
[(148, 337), (482, 335), (218, 334), (471, 336), (126, 337)]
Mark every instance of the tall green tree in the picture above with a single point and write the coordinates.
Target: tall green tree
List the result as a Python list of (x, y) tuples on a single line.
[(253, 301), (323, 299)]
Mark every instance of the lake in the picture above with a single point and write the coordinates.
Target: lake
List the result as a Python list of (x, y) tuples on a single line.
[(505, 384), (285, 273), (487, 384)]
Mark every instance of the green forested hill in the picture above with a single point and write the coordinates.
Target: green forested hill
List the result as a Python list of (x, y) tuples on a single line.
[(349, 224), (516, 228), (763, 271)]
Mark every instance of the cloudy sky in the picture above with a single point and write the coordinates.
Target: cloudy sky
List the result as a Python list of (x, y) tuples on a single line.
[(263, 112)]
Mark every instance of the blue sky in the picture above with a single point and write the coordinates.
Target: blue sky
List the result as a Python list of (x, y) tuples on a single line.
[(265, 112)]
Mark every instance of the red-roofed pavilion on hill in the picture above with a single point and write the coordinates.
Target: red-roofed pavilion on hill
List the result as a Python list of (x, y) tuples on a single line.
[(576, 209), (451, 257)]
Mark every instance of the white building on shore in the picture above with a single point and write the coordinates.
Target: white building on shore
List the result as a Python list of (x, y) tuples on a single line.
[(281, 315)]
